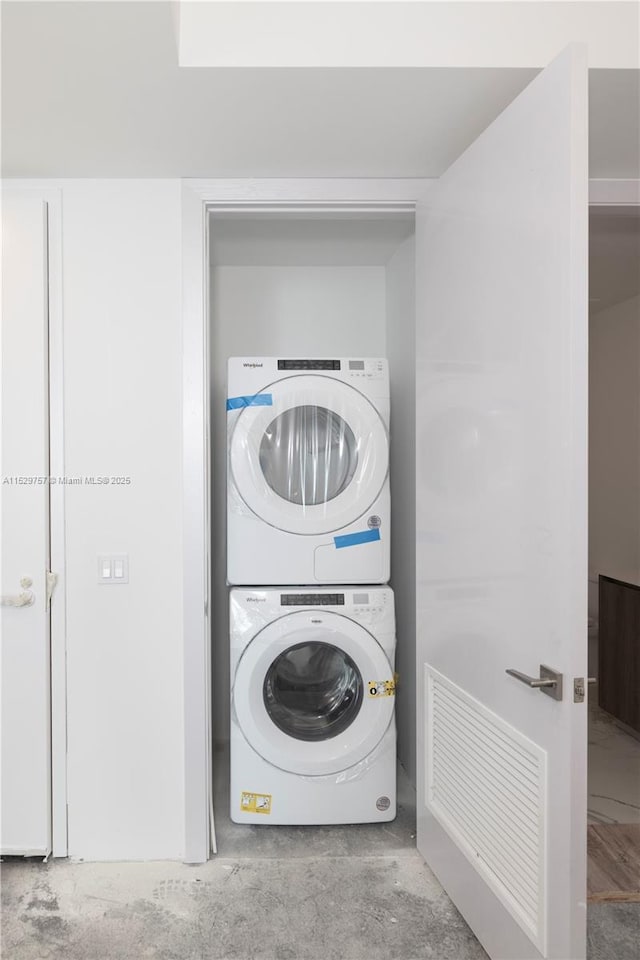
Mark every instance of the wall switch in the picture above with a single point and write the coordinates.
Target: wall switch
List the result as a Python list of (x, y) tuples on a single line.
[(113, 569)]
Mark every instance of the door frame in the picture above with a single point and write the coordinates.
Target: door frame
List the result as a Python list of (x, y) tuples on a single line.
[(199, 198), (58, 653)]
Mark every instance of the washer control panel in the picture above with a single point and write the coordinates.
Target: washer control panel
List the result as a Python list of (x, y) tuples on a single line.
[(312, 599), (367, 606), (361, 605)]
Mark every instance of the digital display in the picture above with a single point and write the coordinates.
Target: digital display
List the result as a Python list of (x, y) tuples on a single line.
[(312, 599), (309, 365), (356, 364)]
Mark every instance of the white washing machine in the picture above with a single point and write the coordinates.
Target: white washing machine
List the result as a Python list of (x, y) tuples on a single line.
[(308, 471), (313, 734)]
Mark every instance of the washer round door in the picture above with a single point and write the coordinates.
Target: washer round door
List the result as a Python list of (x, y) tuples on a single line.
[(301, 693), (312, 461)]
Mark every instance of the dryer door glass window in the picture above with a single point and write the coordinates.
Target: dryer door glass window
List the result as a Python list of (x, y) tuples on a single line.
[(313, 691), (308, 455)]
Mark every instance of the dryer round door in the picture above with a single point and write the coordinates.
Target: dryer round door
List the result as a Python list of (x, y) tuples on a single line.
[(314, 459), (301, 693)]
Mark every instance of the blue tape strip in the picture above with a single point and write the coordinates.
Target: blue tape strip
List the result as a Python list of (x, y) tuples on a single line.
[(351, 539), (257, 400)]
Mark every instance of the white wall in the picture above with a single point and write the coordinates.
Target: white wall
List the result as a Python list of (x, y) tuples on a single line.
[(277, 311), (614, 441), (401, 340), (326, 34), (122, 355)]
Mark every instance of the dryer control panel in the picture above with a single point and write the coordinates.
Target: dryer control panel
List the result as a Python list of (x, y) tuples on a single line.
[(308, 365), (352, 369), (365, 369)]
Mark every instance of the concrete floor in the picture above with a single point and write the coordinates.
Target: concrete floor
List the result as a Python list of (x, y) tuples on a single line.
[(272, 893), (240, 840)]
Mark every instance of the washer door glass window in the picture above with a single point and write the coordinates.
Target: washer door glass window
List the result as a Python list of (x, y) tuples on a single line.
[(301, 693), (313, 691), (308, 455)]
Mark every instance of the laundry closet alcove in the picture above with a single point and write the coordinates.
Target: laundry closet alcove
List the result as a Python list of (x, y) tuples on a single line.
[(319, 280)]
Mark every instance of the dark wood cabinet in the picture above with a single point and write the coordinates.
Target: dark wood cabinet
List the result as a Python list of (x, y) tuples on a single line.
[(619, 650)]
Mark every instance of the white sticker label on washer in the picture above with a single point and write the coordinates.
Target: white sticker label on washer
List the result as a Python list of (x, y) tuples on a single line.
[(255, 803), (382, 688)]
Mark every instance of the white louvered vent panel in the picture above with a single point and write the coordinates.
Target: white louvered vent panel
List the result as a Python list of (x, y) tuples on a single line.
[(486, 785)]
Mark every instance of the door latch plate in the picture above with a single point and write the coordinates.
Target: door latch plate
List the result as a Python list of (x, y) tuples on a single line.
[(579, 688)]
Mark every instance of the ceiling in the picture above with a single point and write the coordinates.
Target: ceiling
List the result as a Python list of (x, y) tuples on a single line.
[(614, 257), (93, 89)]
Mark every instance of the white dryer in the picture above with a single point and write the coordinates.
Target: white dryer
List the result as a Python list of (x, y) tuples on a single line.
[(308, 471), (313, 735)]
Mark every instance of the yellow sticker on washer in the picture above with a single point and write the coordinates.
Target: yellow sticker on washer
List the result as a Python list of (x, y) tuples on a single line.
[(382, 688), (255, 803)]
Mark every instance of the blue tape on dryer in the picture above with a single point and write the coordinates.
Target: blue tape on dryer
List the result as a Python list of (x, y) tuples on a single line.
[(257, 400), (353, 539)]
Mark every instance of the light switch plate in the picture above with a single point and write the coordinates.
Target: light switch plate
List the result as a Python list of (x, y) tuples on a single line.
[(113, 568)]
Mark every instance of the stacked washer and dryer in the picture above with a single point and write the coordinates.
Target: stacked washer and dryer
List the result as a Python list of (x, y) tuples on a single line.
[(312, 626)]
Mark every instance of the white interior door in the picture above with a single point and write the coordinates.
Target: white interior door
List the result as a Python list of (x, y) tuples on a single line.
[(26, 711), (502, 521)]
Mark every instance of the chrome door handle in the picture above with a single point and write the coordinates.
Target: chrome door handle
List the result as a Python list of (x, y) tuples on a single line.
[(531, 681), (549, 681)]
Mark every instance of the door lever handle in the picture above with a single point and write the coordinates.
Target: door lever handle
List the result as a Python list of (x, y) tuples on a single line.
[(24, 599), (549, 681)]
